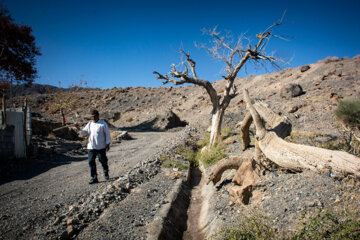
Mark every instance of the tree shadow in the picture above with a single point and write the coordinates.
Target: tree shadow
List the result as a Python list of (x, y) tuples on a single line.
[(146, 126), (23, 169), (150, 126)]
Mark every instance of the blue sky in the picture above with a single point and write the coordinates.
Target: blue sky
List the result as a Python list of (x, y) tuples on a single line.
[(120, 43)]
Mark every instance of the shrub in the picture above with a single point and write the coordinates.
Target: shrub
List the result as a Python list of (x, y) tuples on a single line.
[(189, 153), (316, 225), (168, 162), (256, 226), (211, 156), (226, 132), (330, 59), (326, 225), (335, 145), (204, 142), (348, 111)]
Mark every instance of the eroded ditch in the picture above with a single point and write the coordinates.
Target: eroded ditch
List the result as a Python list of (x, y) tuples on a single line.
[(185, 215)]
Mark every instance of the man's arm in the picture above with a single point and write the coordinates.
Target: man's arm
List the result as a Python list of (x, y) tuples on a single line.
[(107, 137), (85, 131)]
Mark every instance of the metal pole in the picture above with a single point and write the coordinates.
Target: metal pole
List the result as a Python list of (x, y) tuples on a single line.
[(28, 126), (24, 125)]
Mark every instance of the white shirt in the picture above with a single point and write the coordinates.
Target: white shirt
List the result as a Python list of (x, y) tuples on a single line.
[(99, 135)]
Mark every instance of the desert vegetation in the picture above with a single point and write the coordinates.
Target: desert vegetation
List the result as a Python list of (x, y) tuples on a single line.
[(317, 224)]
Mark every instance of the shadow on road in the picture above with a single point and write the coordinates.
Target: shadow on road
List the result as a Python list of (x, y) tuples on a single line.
[(146, 126), (22, 169)]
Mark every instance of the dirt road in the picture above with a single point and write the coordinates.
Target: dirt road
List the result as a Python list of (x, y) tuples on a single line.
[(28, 205)]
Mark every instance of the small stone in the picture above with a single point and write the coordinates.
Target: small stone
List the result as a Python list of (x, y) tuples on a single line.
[(293, 109), (70, 230), (64, 236), (57, 220), (27, 227), (304, 68), (273, 174), (72, 209), (71, 221)]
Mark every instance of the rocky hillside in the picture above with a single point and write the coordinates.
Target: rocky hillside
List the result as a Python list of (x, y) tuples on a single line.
[(139, 193), (306, 94)]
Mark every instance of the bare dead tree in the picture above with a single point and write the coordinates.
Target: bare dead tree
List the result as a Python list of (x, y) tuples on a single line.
[(234, 55)]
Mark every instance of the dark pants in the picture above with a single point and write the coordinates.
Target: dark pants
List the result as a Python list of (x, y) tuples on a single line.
[(92, 153)]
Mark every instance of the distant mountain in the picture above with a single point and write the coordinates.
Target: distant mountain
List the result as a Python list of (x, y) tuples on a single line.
[(34, 88), (30, 89)]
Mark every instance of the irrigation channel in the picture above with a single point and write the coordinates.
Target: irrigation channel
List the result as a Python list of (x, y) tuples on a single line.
[(186, 214)]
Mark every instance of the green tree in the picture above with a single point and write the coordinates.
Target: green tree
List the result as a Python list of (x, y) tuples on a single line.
[(17, 55), (17, 51)]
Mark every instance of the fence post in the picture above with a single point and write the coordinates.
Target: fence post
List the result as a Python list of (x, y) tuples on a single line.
[(3, 109)]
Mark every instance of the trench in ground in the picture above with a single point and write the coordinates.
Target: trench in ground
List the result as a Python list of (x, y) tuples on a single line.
[(184, 219)]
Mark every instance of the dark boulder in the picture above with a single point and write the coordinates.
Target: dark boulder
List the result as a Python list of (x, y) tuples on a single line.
[(290, 91), (66, 132), (304, 68), (168, 120)]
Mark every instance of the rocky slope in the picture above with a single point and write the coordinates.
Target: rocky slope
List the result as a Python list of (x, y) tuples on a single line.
[(283, 196), (322, 83)]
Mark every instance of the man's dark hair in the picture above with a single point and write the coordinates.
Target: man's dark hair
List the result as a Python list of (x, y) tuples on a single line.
[(94, 112)]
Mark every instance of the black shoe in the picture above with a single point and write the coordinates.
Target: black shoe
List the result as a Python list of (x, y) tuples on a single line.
[(92, 181), (107, 177)]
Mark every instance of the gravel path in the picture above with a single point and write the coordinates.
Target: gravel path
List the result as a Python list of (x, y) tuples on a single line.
[(29, 206)]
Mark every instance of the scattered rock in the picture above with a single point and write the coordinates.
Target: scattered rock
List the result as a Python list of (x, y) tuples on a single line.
[(57, 221), (304, 68), (116, 116), (43, 127), (290, 91), (64, 236), (120, 135), (293, 109), (71, 221), (334, 97), (66, 132), (71, 230), (168, 120)]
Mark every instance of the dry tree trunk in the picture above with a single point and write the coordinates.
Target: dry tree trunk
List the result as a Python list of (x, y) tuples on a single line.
[(215, 134), (222, 166), (245, 126), (245, 181), (299, 157), (278, 124)]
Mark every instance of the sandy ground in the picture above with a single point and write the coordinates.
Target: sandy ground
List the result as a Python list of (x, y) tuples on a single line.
[(27, 205)]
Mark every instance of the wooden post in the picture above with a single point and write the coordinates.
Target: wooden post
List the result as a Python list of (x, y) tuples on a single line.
[(3, 110), (62, 117)]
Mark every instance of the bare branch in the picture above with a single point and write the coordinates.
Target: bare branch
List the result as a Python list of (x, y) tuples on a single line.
[(191, 63), (168, 79), (221, 40)]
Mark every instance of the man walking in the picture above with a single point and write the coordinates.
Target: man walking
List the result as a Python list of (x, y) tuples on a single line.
[(99, 142)]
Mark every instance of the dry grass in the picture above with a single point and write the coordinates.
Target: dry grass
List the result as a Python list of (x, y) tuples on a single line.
[(114, 135), (130, 119)]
